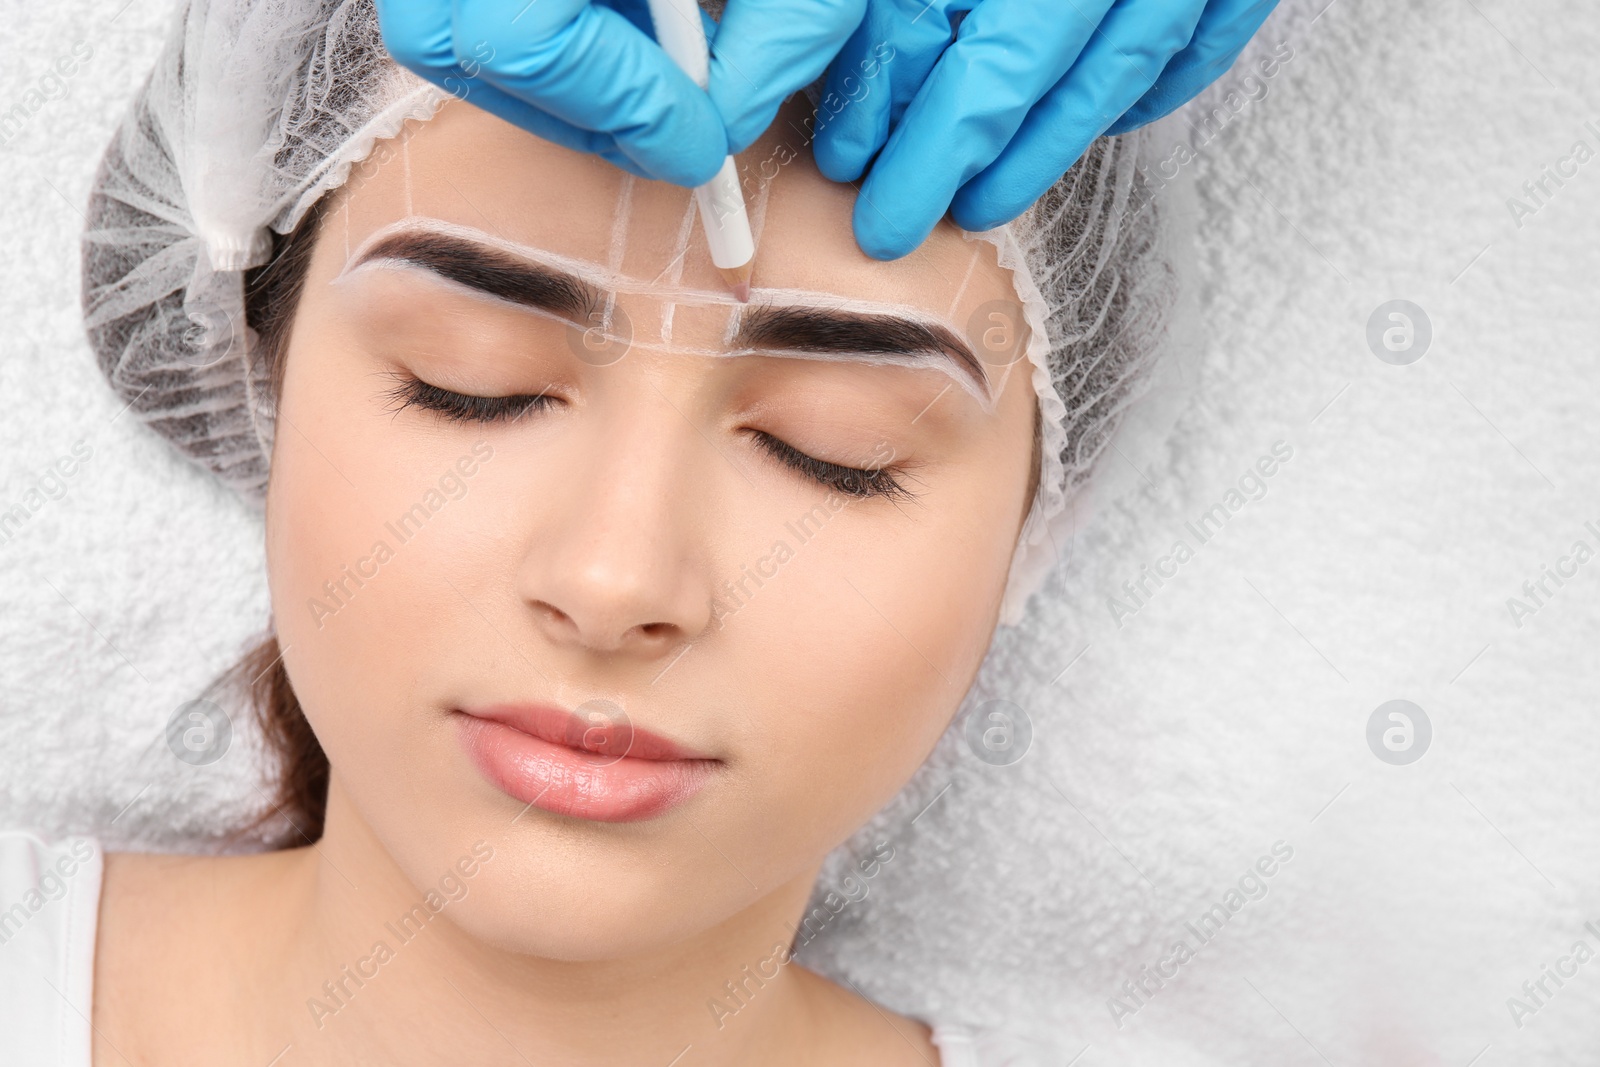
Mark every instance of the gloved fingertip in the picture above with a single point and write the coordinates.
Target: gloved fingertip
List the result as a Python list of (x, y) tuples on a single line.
[(679, 171), (705, 170), (878, 238), (622, 162), (677, 136), (838, 170), (976, 216), (837, 158), (679, 163), (739, 142), (887, 253), (747, 130)]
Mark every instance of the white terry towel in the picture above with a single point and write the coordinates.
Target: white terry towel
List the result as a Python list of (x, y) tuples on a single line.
[(1391, 156)]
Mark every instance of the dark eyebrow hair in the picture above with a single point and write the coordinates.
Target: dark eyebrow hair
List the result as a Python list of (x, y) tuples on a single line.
[(490, 271), (820, 329), (795, 328)]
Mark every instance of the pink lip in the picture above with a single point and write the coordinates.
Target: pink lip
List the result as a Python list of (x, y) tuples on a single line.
[(554, 760)]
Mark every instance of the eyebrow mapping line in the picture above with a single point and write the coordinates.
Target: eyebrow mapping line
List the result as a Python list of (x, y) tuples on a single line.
[(484, 270), (966, 277), (789, 322), (674, 270), (758, 212), (603, 280), (619, 239), (600, 279), (815, 330), (841, 353)]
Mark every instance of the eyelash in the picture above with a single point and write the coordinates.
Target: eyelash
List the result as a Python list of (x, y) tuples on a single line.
[(463, 407), (467, 407), (852, 481)]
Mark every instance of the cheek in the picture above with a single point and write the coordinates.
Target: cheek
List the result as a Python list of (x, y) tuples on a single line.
[(884, 621), (857, 654), (359, 531)]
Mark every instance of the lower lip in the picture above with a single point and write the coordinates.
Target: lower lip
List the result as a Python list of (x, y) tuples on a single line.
[(584, 785)]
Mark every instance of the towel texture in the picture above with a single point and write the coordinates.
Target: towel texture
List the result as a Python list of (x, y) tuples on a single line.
[(1212, 722)]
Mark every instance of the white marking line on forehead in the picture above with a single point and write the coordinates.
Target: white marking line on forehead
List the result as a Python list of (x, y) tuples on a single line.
[(965, 278), (758, 212), (913, 361), (1005, 374), (757, 217), (910, 361), (612, 282), (619, 239), (674, 271), (730, 328), (605, 279)]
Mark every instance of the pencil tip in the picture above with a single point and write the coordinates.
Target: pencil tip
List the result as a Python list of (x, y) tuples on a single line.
[(738, 279)]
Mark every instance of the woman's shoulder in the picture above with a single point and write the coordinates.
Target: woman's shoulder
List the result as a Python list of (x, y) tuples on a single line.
[(49, 903), (75, 919), (166, 922)]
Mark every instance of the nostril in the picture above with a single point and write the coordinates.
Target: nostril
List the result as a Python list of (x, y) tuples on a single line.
[(553, 615)]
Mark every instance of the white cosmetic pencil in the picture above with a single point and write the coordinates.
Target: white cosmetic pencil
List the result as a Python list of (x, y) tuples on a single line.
[(721, 202)]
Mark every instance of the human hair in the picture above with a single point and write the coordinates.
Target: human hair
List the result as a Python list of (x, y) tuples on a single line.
[(300, 794)]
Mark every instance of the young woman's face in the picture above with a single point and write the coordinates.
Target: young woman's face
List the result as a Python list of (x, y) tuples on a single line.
[(482, 520)]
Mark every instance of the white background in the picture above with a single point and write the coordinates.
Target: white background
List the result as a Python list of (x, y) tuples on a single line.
[(1226, 715)]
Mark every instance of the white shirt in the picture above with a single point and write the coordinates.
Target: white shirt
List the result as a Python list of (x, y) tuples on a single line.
[(49, 904), (49, 901)]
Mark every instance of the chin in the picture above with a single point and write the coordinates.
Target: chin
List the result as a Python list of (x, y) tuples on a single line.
[(585, 908)]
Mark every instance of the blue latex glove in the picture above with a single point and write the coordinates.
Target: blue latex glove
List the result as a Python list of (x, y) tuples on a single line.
[(979, 106), (588, 74)]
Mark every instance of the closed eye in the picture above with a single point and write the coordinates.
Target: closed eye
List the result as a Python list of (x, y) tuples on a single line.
[(411, 391), (463, 407), (852, 481)]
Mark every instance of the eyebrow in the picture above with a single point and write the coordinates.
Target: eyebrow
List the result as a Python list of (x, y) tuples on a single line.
[(491, 271), (818, 329), (791, 328)]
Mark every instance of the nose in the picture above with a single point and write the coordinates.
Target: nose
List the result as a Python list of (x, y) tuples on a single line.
[(617, 559)]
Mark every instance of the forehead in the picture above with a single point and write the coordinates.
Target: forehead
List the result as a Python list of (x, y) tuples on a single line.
[(472, 171)]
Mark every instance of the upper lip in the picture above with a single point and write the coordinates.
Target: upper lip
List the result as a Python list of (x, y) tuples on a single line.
[(562, 727)]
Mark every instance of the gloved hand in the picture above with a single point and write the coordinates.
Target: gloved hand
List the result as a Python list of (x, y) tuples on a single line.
[(588, 74), (984, 125), (983, 121)]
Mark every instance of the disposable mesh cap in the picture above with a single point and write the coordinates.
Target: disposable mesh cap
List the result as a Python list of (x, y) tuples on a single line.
[(256, 110)]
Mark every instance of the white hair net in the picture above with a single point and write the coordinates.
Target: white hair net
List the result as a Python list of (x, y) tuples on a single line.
[(257, 108)]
